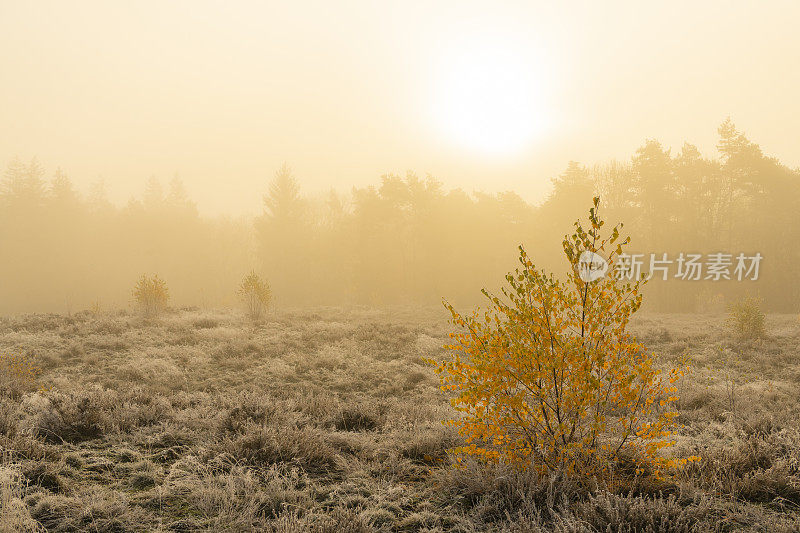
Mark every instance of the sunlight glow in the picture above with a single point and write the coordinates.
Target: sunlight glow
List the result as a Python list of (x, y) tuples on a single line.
[(490, 98)]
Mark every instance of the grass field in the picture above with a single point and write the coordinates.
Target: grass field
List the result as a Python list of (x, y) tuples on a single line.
[(328, 420)]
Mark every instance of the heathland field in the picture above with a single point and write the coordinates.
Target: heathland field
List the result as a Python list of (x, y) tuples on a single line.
[(329, 420)]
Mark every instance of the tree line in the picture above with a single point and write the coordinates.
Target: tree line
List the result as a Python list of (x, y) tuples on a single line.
[(403, 240)]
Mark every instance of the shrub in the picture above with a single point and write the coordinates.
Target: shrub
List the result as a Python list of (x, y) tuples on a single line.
[(548, 377), (255, 295), (17, 375), (746, 319), (151, 295)]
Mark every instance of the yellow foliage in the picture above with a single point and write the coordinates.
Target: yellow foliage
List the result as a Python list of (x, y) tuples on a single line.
[(18, 374), (547, 376), (747, 319), (151, 295), (255, 295)]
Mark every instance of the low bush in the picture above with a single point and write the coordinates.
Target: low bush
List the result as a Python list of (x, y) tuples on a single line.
[(151, 295), (18, 375), (548, 376), (255, 295), (747, 320)]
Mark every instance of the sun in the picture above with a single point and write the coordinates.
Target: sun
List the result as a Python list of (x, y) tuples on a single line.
[(489, 98)]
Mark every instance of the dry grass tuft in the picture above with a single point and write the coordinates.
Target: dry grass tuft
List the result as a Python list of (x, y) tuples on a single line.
[(14, 514)]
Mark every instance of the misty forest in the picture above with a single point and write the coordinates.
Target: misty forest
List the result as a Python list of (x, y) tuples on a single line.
[(404, 240)]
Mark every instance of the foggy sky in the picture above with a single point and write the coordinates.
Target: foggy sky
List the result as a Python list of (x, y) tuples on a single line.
[(222, 93)]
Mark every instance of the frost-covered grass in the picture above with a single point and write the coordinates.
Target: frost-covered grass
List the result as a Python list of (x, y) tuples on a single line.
[(328, 420)]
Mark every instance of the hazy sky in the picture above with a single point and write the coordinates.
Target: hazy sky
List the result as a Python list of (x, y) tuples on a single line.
[(489, 96)]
